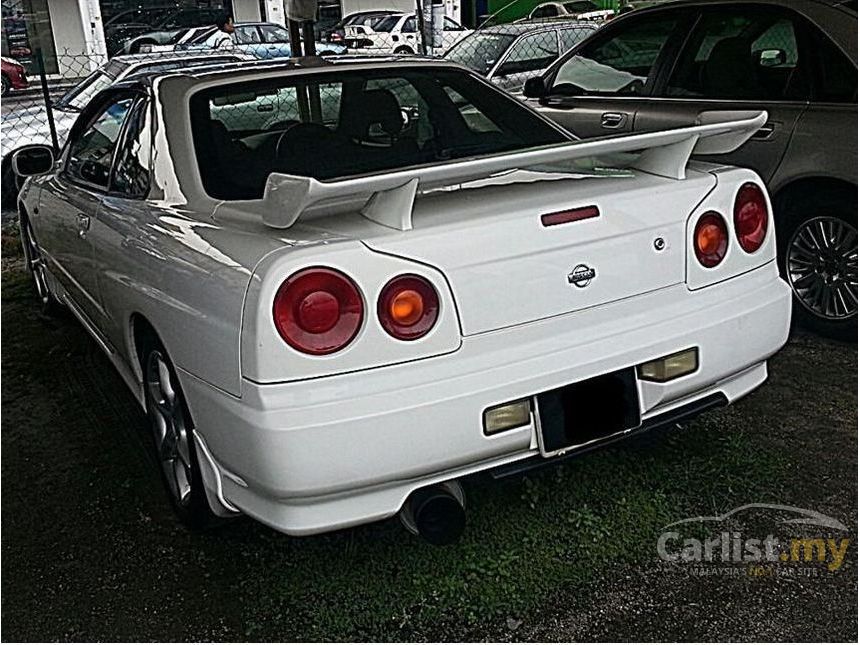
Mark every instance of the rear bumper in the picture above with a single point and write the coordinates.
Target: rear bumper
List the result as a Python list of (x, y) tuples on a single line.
[(321, 454)]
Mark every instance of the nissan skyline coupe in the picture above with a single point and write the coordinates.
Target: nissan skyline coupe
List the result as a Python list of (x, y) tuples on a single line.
[(339, 287)]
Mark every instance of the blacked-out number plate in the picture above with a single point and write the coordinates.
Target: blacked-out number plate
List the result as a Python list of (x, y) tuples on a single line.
[(583, 412)]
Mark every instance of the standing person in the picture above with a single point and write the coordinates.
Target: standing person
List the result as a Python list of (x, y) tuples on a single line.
[(223, 37)]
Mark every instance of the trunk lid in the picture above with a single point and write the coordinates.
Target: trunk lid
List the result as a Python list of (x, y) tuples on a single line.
[(506, 268)]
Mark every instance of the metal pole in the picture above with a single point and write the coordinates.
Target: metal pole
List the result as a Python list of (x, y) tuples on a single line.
[(49, 110), (295, 38), (311, 50), (419, 6)]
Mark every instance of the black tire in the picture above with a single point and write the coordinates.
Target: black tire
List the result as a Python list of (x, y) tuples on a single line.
[(191, 507), (817, 254), (35, 263), (404, 50), (7, 86)]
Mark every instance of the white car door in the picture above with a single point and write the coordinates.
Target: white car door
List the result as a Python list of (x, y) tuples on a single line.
[(70, 201)]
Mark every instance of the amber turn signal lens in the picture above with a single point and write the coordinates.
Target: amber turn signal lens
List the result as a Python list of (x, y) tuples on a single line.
[(408, 307), (507, 416), (710, 239)]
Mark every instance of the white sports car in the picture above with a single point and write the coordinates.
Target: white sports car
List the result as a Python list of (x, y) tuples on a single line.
[(339, 287)]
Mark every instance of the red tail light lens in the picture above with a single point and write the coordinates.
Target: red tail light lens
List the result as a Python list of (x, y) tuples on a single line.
[(750, 217), (318, 311), (408, 307), (710, 239)]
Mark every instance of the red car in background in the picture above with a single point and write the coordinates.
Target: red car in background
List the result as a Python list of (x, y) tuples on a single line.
[(13, 75)]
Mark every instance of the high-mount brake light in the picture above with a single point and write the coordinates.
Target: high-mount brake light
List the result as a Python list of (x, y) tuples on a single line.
[(750, 217), (318, 310), (710, 239), (408, 307)]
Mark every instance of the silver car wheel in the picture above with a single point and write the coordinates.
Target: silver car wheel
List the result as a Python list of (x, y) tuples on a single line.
[(821, 265), (169, 428)]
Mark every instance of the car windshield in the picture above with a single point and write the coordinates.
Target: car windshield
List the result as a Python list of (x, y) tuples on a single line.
[(480, 51), (351, 123)]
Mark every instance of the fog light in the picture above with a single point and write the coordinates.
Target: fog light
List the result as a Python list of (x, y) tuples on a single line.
[(670, 367), (507, 416)]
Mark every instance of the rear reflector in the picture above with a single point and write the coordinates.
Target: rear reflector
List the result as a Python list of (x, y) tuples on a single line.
[(507, 416), (670, 367), (565, 217)]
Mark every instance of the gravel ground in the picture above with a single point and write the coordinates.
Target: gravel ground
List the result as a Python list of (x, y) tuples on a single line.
[(91, 551)]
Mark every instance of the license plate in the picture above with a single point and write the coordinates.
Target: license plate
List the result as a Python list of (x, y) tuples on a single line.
[(588, 411)]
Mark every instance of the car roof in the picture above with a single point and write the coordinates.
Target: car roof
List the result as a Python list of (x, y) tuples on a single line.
[(517, 28), (248, 69)]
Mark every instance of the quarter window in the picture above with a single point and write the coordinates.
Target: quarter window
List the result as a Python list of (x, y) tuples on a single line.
[(91, 153), (624, 63), (131, 172), (742, 55), (835, 74)]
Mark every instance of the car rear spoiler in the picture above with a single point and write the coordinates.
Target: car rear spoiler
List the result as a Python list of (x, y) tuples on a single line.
[(387, 198)]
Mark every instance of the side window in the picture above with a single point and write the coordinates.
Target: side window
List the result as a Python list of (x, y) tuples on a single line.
[(450, 25), (572, 37), (474, 119), (91, 152), (409, 26), (623, 63), (547, 11), (835, 74), (246, 35), (272, 34), (530, 54), (742, 55), (131, 171)]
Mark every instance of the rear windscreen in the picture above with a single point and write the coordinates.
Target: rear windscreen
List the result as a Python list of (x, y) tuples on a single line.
[(339, 124)]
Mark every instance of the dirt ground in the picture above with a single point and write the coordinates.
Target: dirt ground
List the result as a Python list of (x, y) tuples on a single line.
[(91, 551)]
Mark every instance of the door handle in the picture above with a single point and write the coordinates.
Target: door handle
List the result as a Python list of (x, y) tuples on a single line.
[(613, 120), (765, 132), (83, 225)]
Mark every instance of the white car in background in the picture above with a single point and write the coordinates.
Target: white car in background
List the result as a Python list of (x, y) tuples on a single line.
[(399, 34), (579, 9), (417, 279)]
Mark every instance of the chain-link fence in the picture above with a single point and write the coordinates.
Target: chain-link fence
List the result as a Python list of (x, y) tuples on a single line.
[(42, 107)]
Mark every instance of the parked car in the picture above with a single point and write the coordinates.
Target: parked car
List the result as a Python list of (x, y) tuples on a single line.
[(579, 9), (398, 34), (259, 39), (509, 54), (664, 66), (13, 75), (423, 280), (337, 33), (29, 125), (181, 37), (154, 26)]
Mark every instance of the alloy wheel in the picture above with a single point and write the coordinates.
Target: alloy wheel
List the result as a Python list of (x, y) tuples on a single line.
[(169, 427), (821, 266)]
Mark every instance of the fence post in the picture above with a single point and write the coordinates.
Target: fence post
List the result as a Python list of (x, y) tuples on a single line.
[(49, 110)]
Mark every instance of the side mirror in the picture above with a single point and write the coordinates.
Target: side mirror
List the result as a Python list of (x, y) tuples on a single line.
[(772, 57), (33, 160), (534, 88)]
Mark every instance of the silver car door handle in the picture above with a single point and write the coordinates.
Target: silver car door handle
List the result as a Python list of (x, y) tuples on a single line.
[(83, 225), (613, 120)]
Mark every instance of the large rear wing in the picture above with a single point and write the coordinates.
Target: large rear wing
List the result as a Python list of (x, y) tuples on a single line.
[(388, 197)]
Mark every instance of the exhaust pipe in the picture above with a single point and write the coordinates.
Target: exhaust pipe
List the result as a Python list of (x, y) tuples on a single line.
[(436, 513)]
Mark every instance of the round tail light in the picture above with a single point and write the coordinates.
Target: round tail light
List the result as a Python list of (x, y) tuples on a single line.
[(710, 239), (318, 310), (750, 217), (408, 307)]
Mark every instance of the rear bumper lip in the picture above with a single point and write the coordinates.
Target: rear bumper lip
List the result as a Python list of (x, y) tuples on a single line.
[(326, 453)]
